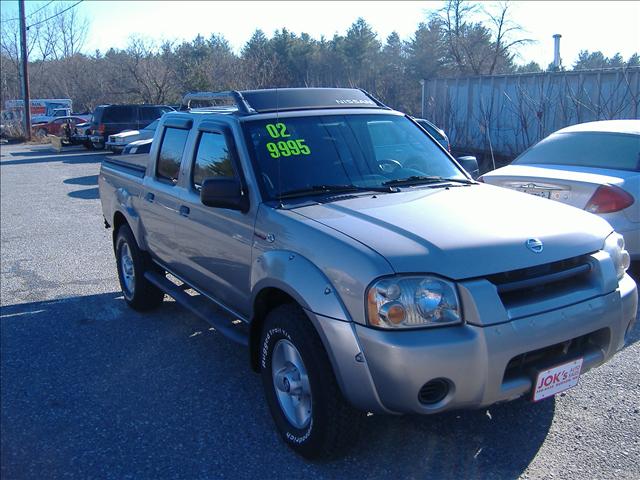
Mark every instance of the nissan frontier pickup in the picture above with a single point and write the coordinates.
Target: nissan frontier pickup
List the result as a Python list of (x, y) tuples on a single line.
[(358, 262)]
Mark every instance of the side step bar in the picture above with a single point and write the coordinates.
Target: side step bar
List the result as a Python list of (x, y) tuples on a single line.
[(203, 309)]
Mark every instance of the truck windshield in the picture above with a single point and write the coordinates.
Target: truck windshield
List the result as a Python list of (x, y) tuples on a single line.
[(314, 153)]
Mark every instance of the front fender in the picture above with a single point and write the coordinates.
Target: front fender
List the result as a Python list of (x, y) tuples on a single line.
[(299, 278)]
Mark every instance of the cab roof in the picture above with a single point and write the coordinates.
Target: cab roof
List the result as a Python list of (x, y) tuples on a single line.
[(251, 102)]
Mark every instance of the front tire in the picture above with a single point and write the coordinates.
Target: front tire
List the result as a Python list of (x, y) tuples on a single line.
[(132, 263), (305, 401)]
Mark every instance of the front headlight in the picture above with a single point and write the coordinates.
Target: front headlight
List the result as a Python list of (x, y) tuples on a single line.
[(614, 246), (412, 302)]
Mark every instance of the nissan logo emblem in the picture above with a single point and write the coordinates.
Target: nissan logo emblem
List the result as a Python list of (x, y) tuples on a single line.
[(535, 245)]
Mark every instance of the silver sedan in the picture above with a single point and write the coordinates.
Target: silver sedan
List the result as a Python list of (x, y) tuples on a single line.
[(593, 166)]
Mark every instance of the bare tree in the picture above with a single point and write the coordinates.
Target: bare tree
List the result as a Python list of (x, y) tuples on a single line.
[(504, 30), (150, 69), (478, 40)]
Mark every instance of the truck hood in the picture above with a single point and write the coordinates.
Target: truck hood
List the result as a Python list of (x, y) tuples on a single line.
[(462, 231)]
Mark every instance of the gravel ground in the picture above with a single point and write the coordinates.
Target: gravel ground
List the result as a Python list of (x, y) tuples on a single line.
[(91, 389)]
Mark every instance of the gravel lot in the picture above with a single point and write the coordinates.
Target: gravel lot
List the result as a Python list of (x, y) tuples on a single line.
[(91, 389)]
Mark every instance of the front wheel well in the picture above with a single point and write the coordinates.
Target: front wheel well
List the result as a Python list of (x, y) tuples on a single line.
[(268, 299)]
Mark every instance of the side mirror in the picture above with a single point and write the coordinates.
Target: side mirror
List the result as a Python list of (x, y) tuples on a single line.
[(224, 192), (470, 164)]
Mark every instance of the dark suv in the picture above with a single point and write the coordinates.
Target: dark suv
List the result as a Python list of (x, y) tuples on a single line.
[(110, 119)]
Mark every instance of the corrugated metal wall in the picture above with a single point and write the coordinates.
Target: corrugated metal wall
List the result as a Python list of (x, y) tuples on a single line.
[(509, 113)]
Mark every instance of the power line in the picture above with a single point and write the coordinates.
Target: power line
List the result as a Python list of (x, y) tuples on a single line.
[(41, 8), (53, 16), (31, 14)]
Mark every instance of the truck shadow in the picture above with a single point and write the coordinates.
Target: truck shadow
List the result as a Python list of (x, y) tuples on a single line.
[(86, 194), (72, 155), (91, 388), (86, 180)]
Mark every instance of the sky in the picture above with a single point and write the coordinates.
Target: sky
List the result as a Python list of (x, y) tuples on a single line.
[(607, 26)]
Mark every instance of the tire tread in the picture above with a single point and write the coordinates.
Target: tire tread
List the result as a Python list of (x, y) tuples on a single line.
[(344, 423)]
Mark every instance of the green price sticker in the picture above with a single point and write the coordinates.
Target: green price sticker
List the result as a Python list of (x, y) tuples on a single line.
[(284, 148), (288, 148), (277, 130)]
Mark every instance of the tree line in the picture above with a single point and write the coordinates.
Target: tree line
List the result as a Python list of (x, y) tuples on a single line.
[(462, 38)]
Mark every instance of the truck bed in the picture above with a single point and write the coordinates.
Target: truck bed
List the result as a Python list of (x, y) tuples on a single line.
[(131, 164)]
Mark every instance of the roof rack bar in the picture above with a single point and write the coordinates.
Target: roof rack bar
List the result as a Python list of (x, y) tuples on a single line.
[(239, 101), (377, 102)]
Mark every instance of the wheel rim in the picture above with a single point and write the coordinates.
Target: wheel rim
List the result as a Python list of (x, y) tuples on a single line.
[(291, 383), (126, 266)]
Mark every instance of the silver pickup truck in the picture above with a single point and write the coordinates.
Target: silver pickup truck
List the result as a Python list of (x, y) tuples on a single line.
[(359, 263)]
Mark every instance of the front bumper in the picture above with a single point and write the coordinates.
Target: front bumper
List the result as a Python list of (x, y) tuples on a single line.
[(96, 139), (628, 229), (383, 371)]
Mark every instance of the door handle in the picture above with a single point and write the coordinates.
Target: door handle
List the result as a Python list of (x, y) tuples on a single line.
[(184, 210), (149, 197)]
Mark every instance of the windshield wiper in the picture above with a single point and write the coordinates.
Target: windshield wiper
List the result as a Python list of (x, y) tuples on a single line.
[(318, 189), (422, 180)]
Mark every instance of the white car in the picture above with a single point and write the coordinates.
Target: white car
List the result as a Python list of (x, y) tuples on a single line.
[(117, 142), (594, 166), (137, 147)]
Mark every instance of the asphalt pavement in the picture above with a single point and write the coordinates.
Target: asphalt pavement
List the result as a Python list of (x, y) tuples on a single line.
[(92, 389)]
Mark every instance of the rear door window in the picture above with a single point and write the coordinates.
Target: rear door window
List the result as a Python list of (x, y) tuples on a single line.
[(119, 114), (170, 156)]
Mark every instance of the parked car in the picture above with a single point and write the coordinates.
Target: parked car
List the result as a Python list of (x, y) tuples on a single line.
[(137, 147), (60, 127), (363, 274), (435, 132), (593, 166), (80, 135), (119, 141), (111, 119)]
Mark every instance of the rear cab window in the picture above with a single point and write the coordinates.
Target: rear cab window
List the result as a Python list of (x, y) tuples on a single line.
[(170, 154)]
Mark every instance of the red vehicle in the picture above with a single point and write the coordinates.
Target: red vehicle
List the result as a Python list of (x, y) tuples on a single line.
[(57, 126)]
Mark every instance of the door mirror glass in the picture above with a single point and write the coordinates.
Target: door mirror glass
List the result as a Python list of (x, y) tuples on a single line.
[(470, 164)]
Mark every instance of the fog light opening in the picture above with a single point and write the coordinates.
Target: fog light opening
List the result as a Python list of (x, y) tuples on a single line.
[(434, 391)]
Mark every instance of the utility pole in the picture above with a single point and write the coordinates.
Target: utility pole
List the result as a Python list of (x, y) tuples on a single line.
[(25, 72), (422, 82)]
